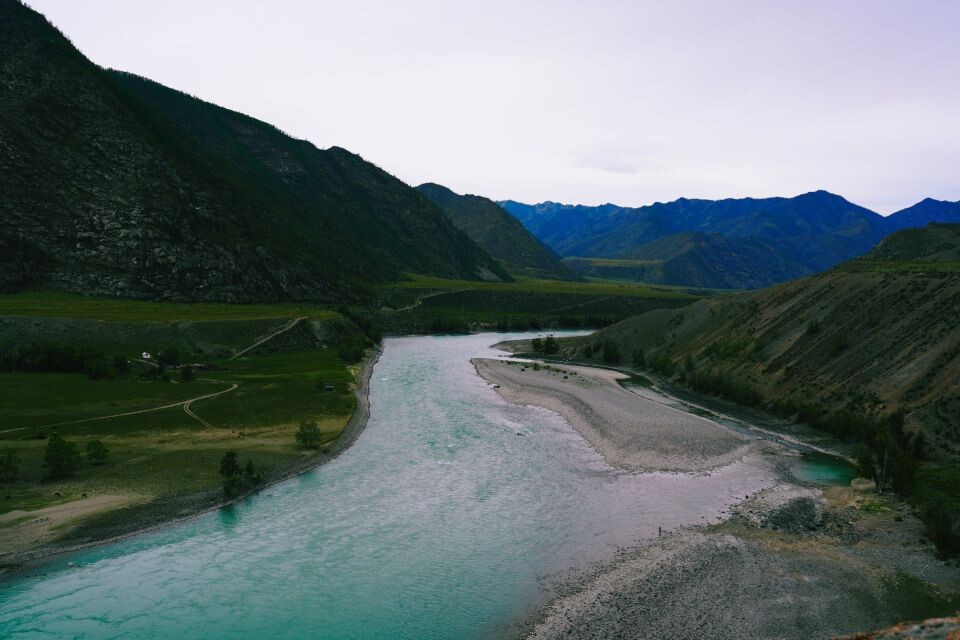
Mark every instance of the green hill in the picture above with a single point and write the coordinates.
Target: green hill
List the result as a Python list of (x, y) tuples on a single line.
[(937, 243), (116, 185), (497, 232)]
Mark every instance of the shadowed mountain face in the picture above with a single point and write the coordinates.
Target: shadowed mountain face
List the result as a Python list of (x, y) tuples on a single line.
[(497, 232), (766, 240), (116, 185)]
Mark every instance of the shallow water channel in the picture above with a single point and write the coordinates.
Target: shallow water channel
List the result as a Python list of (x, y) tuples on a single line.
[(450, 517)]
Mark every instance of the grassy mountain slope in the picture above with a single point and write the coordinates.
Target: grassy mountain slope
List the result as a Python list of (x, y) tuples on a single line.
[(497, 232), (119, 186), (937, 243), (874, 336)]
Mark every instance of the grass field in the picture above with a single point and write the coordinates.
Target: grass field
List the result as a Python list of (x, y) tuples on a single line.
[(159, 453), (54, 304), (878, 266), (612, 262), (424, 305), (562, 287)]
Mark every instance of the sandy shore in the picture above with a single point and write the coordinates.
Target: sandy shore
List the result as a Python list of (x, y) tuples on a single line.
[(162, 513), (630, 431)]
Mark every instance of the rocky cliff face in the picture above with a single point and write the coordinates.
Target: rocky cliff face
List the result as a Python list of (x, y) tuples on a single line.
[(115, 185)]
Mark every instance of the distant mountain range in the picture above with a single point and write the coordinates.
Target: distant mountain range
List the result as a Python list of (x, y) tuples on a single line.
[(115, 185), (734, 243), (497, 232)]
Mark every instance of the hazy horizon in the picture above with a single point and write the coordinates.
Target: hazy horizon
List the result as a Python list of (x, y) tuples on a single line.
[(612, 102)]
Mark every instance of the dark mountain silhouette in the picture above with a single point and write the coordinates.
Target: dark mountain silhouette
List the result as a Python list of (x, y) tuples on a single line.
[(497, 232)]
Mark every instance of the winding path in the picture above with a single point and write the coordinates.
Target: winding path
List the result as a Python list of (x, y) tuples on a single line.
[(430, 295), (273, 335), (184, 403)]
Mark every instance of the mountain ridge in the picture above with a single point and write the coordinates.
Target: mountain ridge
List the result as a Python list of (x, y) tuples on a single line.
[(117, 185)]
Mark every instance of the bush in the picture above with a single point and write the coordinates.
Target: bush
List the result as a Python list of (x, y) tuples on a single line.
[(550, 345), (724, 387), (229, 465), (44, 357), (611, 354), (187, 374), (61, 458), (97, 452), (942, 518), (838, 345), (351, 351), (866, 467), (308, 435), (9, 466), (449, 325), (250, 474), (169, 357)]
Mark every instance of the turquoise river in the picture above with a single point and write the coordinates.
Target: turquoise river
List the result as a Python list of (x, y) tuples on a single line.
[(452, 516)]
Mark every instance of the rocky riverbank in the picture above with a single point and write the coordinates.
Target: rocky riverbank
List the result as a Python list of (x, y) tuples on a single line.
[(793, 561)]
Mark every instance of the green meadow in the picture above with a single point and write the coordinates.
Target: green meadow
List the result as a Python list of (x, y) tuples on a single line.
[(158, 452), (424, 305), (54, 304)]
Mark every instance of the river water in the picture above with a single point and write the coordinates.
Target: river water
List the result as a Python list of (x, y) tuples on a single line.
[(450, 517)]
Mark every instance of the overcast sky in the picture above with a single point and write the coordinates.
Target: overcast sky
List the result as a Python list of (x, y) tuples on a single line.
[(582, 102)]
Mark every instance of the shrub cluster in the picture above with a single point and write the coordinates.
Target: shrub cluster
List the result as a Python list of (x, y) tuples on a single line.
[(548, 346), (47, 357), (236, 479)]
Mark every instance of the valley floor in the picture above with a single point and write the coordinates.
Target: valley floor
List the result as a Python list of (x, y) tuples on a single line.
[(794, 561), (77, 521)]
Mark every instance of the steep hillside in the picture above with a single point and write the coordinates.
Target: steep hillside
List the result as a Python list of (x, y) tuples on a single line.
[(497, 232), (119, 186), (872, 337)]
